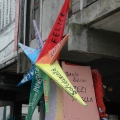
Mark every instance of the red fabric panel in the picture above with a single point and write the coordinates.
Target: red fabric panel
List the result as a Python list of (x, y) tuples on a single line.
[(98, 86), (56, 33)]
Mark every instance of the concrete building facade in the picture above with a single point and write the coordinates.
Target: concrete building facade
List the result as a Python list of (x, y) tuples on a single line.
[(94, 28)]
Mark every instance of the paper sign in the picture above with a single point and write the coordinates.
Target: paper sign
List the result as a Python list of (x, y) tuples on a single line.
[(30, 52), (81, 79), (53, 53), (56, 33), (38, 37), (57, 74)]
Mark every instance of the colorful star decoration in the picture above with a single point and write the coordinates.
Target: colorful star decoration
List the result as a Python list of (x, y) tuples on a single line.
[(46, 66)]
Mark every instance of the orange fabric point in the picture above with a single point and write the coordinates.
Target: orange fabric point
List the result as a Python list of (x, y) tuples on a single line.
[(52, 55)]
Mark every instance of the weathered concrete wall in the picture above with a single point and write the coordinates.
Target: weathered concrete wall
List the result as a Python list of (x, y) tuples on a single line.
[(75, 5), (92, 41), (78, 5), (111, 23), (88, 2), (96, 11)]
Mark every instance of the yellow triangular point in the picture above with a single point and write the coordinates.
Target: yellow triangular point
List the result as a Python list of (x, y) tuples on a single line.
[(57, 74)]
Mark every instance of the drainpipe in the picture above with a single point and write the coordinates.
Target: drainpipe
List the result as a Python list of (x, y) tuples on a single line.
[(81, 4), (81, 8), (25, 14), (4, 113)]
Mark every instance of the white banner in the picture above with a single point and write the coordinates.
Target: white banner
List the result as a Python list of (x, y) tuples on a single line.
[(8, 24)]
